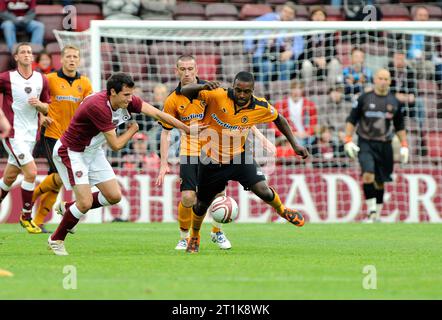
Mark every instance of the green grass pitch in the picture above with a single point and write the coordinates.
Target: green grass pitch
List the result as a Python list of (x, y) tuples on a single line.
[(267, 261)]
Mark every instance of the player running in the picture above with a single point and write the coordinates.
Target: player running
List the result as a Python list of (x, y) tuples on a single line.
[(26, 97), (80, 158), (232, 113), (187, 111), (67, 88)]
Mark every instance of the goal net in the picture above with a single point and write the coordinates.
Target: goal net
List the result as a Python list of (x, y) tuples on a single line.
[(318, 69)]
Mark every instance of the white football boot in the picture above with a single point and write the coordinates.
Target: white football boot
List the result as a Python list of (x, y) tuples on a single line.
[(60, 208), (221, 240), (57, 247)]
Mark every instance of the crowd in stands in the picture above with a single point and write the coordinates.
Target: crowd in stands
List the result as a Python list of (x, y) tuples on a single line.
[(295, 62)]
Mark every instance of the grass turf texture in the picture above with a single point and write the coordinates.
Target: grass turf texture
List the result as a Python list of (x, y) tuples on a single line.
[(267, 261)]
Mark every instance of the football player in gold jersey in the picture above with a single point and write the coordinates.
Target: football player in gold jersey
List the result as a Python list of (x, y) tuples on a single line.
[(230, 115), (67, 88)]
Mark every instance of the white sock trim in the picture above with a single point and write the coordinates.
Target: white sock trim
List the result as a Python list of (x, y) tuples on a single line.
[(102, 200), (371, 204), (76, 212), (184, 234), (4, 186), (379, 208), (28, 186)]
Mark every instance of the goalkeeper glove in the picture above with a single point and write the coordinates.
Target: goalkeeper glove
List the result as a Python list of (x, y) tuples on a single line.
[(350, 148), (404, 152)]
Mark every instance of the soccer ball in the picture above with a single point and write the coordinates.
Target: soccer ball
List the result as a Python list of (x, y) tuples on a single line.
[(224, 209)]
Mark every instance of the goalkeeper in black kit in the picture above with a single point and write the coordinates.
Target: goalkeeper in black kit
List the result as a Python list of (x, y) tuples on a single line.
[(374, 115)]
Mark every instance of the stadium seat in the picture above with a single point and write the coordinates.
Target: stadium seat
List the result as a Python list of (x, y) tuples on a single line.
[(394, 12), (252, 11), (232, 64), (85, 13), (316, 88), (434, 144), (107, 59), (334, 14), (309, 2), (161, 48), (133, 58), (208, 66), (434, 11), (52, 17), (189, 11), (165, 67), (276, 2), (302, 13), (427, 87), (136, 65), (53, 47), (233, 60), (5, 61), (412, 1), (221, 11), (200, 48)]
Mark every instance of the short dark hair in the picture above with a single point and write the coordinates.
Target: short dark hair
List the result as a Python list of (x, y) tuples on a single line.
[(41, 54), (185, 57), (21, 44), (117, 81), (244, 76)]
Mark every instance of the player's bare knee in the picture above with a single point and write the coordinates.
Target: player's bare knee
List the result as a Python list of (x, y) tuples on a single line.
[(84, 203), (200, 208), (114, 198), (188, 198), (378, 185), (368, 178)]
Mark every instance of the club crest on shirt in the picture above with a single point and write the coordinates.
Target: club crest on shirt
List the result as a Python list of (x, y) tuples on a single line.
[(224, 110), (80, 89), (79, 174), (181, 107), (126, 117), (21, 156), (28, 90), (372, 106), (244, 119)]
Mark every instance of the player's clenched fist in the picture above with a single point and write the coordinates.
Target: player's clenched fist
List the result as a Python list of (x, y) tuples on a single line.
[(133, 127), (211, 85), (301, 151)]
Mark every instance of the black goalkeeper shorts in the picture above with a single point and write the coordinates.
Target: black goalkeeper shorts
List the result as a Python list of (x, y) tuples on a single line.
[(376, 157)]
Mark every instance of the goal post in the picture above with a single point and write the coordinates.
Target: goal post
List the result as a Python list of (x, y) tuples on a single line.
[(327, 188)]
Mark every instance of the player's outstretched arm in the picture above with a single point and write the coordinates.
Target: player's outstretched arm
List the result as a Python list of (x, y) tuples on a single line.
[(191, 90), (153, 112), (270, 147), (118, 142), (283, 126), (164, 153)]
